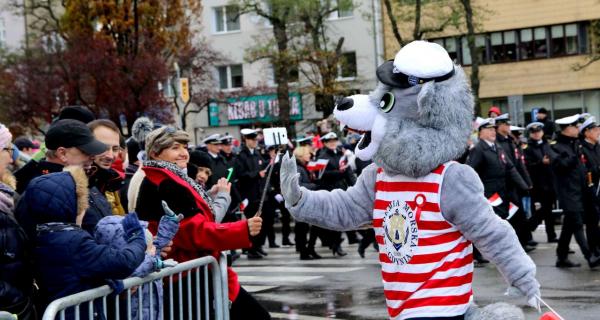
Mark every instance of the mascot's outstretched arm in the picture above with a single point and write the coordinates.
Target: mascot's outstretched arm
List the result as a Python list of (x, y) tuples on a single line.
[(336, 210), (465, 206)]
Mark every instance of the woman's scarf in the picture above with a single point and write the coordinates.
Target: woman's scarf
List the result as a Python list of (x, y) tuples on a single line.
[(173, 168)]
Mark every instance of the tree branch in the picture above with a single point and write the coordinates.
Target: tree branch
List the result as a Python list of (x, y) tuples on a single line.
[(394, 24)]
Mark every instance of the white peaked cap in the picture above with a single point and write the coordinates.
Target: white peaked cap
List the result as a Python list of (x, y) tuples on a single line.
[(423, 59)]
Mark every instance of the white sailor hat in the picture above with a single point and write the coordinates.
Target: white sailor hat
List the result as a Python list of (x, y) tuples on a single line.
[(535, 126), (329, 136), (568, 120), (516, 128), (588, 124), (212, 139), (226, 139), (248, 132), (503, 118), (304, 140), (416, 63), (484, 123)]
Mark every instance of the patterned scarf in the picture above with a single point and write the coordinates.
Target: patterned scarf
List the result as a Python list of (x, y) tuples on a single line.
[(51, 227), (178, 172)]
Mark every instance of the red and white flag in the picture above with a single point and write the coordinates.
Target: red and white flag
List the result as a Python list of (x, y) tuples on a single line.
[(243, 204), (495, 200), (512, 209), (318, 165)]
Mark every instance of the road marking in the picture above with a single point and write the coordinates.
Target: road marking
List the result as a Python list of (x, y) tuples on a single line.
[(277, 279), (256, 289), (241, 269)]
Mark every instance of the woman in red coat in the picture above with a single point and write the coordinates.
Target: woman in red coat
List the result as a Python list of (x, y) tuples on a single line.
[(199, 234)]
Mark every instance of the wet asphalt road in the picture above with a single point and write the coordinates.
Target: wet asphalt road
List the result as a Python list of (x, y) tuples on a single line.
[(350, 287)]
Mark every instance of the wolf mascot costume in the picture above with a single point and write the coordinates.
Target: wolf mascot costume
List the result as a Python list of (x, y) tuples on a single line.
[(426, 209)]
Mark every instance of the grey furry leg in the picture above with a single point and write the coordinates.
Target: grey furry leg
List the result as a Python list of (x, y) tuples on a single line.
[(494, 311)]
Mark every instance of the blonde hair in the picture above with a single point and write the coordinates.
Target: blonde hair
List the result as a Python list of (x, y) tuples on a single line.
[(300, 152)]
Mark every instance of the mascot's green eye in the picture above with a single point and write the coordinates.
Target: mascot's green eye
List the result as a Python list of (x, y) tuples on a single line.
[(387, 102)]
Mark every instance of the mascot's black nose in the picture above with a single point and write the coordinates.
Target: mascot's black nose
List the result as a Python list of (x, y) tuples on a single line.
[(344, 103)]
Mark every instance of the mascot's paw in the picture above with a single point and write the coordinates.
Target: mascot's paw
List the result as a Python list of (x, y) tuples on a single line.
[(495, 311), (289, 180)]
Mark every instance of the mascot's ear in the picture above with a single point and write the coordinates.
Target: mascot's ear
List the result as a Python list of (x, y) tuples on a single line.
[(424, 100)]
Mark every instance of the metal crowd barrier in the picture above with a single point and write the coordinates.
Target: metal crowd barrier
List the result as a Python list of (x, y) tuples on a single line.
[(173, 286)]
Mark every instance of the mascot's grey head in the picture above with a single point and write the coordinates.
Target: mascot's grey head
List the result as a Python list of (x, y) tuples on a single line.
[(418, 117)]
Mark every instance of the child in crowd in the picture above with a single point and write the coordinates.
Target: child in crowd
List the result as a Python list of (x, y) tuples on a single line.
[(67, 259), (220, 193), (109, 231)]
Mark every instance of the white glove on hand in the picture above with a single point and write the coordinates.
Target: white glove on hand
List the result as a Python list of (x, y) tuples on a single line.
[(290, 189), (279, 198), (532, 297)]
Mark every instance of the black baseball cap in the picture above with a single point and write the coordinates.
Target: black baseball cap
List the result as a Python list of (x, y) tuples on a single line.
[(80, 113), (70, 133), (24, 142)]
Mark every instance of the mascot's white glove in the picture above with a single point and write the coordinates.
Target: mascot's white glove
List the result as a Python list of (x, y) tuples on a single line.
[(529, 289), (290, 189)]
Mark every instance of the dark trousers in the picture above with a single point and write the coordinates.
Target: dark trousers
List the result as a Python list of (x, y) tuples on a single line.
[(591, 219), (300, 235), (286, 219), (368, 237), (543, 214), (572, 226), (246, 307), (268, 217), (318, 232)]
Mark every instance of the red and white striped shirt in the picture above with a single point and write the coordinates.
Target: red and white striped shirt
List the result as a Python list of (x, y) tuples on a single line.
[(426, 262)]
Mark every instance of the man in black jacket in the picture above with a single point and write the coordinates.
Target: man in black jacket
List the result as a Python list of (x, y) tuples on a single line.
[(570, 174), (218, 164), (250, 170), (542, 116), (589, 132), (337, 175), (543, 195), (515, 192)]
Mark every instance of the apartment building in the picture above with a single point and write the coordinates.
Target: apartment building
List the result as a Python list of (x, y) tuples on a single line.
[(231, 33), (12, 27)]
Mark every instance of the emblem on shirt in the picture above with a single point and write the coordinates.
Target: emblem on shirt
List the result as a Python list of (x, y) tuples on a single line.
[(401, 233)]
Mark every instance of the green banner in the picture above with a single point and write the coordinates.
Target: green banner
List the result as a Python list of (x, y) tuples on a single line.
[(261, 108), (213, 114)]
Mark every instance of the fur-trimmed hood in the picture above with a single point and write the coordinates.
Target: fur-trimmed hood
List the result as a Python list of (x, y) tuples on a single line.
[(57, 197)]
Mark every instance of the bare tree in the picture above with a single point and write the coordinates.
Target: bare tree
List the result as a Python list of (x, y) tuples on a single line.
[(473, 52), (594, 35)]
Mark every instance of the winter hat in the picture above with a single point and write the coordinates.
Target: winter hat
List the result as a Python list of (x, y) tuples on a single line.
[(109, 231), (133, 148), (5, 137), (200, 159), (162, 138), (140, 129), (80, 113)]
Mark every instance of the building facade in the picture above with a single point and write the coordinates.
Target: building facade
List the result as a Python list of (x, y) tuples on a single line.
[(230, 33), (529, 53), (12, 27)]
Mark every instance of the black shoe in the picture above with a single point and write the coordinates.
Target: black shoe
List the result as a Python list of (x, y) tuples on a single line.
[(313, 253), (552, 240), (528, 248), (305, 256), (254, 256), (287, 242), (361, 250), (274, 245), (261, 252), (594, 261), (567, 264), (532, 243), (338, 251)]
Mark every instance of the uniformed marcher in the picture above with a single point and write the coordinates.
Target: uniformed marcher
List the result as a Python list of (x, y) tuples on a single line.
[(227, 150), (219, 165), (515, 192), (250, 170), (337, 175), (543, 195), (589, 134), (494, 168), (542, 116), (570, 172)]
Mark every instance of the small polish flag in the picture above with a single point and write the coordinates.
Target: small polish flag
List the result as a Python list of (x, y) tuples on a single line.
[(512, 209), (317, 165), (243, 205), (495, 200)]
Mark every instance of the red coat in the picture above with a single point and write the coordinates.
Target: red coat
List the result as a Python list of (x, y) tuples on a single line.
[(200, 232)]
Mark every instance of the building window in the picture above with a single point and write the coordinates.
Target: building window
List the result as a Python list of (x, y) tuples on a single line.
[(344, 9), (526, 44), (227, 19), (347, 65), (540, 46), (2, 33), (503, 46), (230, 76), (480, 46), (571, 37)]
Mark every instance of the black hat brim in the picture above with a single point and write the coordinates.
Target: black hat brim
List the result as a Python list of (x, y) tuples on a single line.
[(385, 74), (251, 136), (93, 148)]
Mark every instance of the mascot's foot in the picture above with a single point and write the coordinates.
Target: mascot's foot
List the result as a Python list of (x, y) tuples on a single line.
[(495, 311)]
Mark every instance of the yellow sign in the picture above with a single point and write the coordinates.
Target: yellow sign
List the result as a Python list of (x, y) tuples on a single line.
[(184, 89)]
